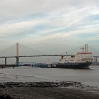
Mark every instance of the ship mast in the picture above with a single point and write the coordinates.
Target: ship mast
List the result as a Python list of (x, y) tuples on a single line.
[(66, 54), (82, 49), (85, 49)]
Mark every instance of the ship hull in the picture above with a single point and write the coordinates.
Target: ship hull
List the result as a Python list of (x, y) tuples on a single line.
[(74, 65)]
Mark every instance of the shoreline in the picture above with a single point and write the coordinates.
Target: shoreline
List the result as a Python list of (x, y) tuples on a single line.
[(47, 90)]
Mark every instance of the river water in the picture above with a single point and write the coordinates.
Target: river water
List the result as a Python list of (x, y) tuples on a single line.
[(28, 74)]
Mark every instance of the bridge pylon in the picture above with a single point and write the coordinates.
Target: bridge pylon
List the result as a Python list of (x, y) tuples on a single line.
[(17, 53)]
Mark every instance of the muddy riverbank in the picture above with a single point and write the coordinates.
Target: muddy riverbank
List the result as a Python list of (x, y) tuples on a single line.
[(47, 90)]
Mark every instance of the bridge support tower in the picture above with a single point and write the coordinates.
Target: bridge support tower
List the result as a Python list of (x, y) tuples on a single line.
[(17, 53), (5, 61), (95, 59)]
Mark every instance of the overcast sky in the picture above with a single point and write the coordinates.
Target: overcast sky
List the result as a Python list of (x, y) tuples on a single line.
[(49, 25)]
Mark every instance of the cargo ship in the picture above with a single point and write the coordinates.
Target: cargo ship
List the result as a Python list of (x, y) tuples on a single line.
[(81, 60)]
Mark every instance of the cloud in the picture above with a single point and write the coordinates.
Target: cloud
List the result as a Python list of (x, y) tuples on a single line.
[(25, 7), (45, 22)]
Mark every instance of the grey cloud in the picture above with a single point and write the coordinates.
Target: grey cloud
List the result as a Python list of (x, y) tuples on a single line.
[(59, 14), (9, 8)]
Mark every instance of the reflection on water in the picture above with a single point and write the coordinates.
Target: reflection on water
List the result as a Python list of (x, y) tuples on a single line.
[(86, 76)]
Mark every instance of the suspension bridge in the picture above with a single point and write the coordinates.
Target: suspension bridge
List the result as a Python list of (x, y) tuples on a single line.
[(18, 51)]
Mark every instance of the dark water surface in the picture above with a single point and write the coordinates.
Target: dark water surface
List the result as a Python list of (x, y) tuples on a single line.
[(85, 76)]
